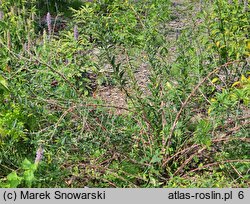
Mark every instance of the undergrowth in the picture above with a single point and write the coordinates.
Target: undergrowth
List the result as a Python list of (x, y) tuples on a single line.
[(190, 128)]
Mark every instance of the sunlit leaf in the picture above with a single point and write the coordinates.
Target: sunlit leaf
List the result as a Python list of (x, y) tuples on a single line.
[(214, 80), (3, 83)]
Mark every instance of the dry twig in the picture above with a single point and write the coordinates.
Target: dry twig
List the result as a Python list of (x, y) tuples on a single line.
[(189, 97)]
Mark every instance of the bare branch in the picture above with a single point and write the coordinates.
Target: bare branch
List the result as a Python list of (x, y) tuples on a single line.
[(216, 164), (190, 96)]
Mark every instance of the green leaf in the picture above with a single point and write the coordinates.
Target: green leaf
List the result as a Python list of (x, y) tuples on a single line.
[(215, 80), (26, 164), (3, 83), (13, 179), (29, 177), (156, 159)]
